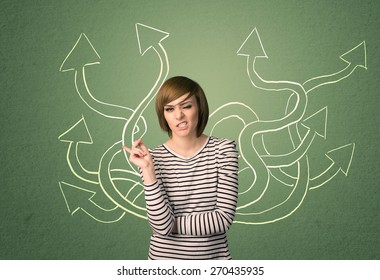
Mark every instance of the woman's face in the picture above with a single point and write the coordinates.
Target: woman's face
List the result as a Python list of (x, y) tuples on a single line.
[(182, 116)]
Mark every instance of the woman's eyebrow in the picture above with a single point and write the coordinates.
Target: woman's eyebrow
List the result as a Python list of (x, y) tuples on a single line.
[(185, 102), (181, 103)]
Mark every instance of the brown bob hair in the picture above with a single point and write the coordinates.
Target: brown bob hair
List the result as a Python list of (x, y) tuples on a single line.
[(173, 89)]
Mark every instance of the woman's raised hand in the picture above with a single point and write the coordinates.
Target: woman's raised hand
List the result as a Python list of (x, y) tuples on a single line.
[(139, 155)]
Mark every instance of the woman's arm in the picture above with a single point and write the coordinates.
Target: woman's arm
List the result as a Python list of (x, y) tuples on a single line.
[(159, 212)]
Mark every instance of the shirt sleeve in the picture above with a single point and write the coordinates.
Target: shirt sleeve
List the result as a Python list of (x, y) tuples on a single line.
[(159, 211), (220, 218)]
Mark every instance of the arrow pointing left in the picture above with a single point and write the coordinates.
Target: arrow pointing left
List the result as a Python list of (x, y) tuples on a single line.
[(77, 198)]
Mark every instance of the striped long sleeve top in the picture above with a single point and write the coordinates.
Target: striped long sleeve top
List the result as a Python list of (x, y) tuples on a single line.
[(196, 197)]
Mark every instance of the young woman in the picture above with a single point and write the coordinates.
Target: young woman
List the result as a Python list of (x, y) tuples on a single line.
[(190, 182)]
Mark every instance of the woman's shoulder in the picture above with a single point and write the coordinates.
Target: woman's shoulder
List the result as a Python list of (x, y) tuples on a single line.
[(225, 148), (220, 141), (222, 145), (158, 151)]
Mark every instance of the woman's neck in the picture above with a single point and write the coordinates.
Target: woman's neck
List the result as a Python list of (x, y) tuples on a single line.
[(186, 146)]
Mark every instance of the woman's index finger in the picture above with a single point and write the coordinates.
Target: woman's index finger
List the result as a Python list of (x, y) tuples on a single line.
[(126, 149)]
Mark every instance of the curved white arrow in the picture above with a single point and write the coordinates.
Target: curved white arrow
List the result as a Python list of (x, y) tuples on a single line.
[(105, 174), (82, 55), (354, 58), (80, 199), (252, 48), (71, 136), (341, 159)]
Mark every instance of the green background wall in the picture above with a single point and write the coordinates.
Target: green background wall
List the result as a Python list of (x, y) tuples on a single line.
[(44, 217)]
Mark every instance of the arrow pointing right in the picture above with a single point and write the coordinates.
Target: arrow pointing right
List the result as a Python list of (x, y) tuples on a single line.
[(342, 156), (148, 37), (341, 159), (316, 124), (356, 57)]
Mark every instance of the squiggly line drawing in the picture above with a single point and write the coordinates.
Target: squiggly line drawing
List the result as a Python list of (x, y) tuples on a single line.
[(261, 169), (105, 180), (249, 153), (107, 184), (265, 166)]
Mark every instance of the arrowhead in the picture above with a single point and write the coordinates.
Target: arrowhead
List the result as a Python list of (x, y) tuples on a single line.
[(148, 37), (74, 196), (82, 54), (252, 46), (317, 122), (78, 133), (342, 156), (356, 56)]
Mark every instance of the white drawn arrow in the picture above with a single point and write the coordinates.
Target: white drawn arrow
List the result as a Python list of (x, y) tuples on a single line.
[(82, 55), (76, 135), (284, 209), (252, 48), (80, 199), (354, 58), (316, 125), (341, 159), (106, 181)]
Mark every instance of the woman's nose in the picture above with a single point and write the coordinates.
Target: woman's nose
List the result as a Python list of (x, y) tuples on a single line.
[(179, 114)]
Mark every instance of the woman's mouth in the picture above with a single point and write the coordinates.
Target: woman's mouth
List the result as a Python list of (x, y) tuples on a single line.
[(182, 125)]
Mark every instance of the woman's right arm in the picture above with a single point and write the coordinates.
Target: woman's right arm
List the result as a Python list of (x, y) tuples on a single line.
[(160, 214), (140, 156)]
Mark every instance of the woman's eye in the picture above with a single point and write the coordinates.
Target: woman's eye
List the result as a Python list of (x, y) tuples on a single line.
[(187, 107), (168, 109)]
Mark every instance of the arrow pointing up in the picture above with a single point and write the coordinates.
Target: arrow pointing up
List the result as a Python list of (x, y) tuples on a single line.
[(317, 122), (78, 133), (82, 54), (252, 46), (148, 37)]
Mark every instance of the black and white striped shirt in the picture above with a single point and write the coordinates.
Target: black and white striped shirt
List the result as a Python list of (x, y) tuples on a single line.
[(199, 194)]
